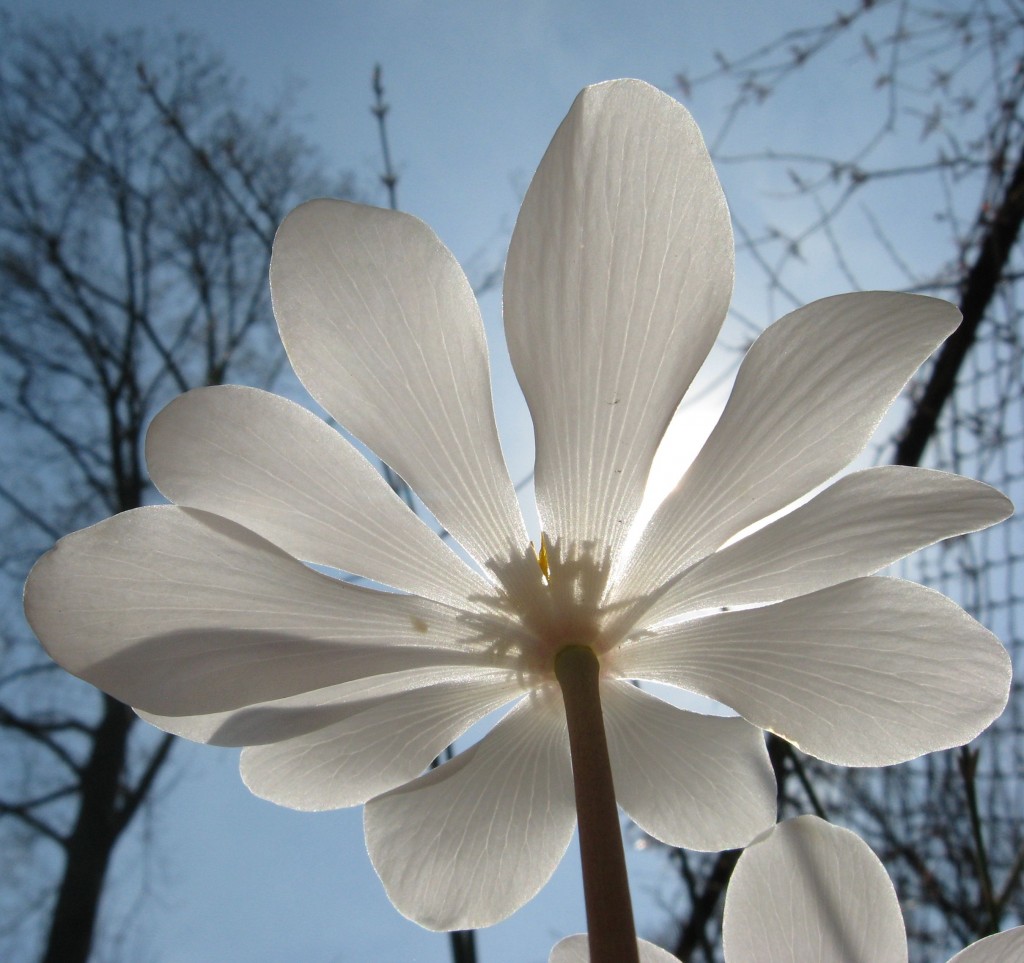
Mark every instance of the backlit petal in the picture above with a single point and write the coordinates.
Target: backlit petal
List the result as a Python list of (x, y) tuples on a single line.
[(296, 715), (866, 673), (619, 274), (575, 949), (371, 746), (701, 782), (855, 527), (467, 844), (811, 893), (277, 469), (808, 396), (1006, 947), (181, 612), (382, 327)]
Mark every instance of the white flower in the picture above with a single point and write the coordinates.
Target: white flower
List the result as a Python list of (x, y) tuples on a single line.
[(574, 949), (618, 278), (810, 892), (813, 892)]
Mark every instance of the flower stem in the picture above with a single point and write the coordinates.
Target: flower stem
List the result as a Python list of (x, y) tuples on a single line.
[(612, 934)]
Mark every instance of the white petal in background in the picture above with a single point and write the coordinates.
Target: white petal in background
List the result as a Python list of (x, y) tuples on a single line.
[(278, 470), (181, 612), (619, 274), (811, 893), (808, 396), (701, 782), (574, 949), (467, 844), (867, 673), (1005, 947), (382, 327), (855, 527)]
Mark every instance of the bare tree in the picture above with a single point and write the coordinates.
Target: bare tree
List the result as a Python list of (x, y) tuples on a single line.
[(925, 191), (139, 194)]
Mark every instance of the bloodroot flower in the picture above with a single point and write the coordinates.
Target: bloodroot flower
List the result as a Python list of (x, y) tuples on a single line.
[(810, 892), (813, 892), (574, 949), (205, 616)]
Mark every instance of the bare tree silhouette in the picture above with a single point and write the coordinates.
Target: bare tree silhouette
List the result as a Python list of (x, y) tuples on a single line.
[(139, 195)]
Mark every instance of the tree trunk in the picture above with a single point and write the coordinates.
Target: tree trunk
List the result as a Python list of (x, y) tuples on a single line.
[(976, 292), (91, 843)]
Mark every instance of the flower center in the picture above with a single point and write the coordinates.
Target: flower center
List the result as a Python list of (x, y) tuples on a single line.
[(554, 601)]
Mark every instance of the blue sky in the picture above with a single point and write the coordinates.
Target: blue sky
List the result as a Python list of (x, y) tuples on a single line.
[(477, 89)]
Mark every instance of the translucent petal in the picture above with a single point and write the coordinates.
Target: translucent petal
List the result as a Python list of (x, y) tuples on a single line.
[(470, 842), (866, 673), (808, 396), (368, 747), (574, 949), (181, 612), (701, 782), (1005, 947), (280, 719), (278, 470), (811, 893), (382, 327), (855, 527), (619, 274)]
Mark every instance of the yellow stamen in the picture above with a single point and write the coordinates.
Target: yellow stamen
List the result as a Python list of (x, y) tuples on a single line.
[(542, 557)]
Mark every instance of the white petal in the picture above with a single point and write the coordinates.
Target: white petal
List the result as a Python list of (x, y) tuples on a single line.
[(866, 673), (279, 719), (855, 527), (1006, 947), (619, 274), (181, 612), (467, 844), (575, 949), (701, 782), (382, 327), (808, 396), (277, 469), (811, 893), (371, 746)]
